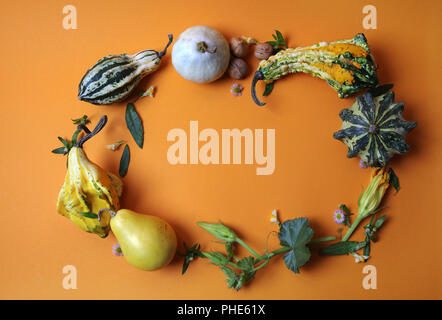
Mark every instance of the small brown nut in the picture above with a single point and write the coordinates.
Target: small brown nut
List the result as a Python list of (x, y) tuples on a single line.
[(263, 51), (239, 47), (238, 69)]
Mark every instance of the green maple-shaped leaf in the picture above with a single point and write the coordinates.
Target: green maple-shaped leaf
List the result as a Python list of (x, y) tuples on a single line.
[(296, 234)]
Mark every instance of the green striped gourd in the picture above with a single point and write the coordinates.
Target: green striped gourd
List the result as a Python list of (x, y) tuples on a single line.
[(114, 77), (346, 65), (373, 129)]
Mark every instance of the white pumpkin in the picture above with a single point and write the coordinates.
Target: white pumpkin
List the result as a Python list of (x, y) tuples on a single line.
[(201, 54)]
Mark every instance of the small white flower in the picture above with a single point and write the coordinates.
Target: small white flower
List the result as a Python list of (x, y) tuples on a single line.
[(274, 217), (149, 92), (359, 258)]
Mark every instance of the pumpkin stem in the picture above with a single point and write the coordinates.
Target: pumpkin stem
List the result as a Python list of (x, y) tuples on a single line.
[(162, 53), (258, 76), (89, 135), (203, 47), (111, 212)]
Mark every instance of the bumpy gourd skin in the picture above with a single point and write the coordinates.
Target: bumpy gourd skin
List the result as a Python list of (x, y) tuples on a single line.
[(87, 188), (373, 129), (347, 65)]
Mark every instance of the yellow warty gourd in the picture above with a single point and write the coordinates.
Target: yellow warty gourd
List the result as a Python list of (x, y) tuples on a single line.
[(88, 188)]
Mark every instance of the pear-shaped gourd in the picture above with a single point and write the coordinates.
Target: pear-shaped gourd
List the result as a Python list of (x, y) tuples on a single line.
[(147, 242)]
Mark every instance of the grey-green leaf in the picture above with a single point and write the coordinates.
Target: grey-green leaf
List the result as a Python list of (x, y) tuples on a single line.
[(124, 161), (394, 180), (296, 234), (61, 150), (134, 124), (269, 88), (343, 247)]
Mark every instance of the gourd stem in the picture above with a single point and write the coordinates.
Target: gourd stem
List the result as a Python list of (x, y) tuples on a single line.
[(162, 53), (111, 212), (97, 129), (203, 47), (84, 128), (258, 76)]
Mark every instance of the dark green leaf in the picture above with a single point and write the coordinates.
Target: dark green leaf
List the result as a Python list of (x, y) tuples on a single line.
[(344, 208), (380, 222), (75, 136), (394, 180), (134, 124), (367, 248), (232, 277), (296, 234), (343, 247), (124, 161), (89, 215), (83, 120), (281, 39), (380, 90), (268, 89), (65, 143), (190, 255), (61, 150)]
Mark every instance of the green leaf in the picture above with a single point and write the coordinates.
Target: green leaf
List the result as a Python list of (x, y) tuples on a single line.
[(134, 124), (343, 247), (367, 248), (268, 89), (75, 136), (232, 277), (61, 150), (89, 215), (65, 143), (83, 120), (296, 234), (380, 90), (394, 180), (280, 39), (246, 264), (190, 255), (124, 161), (380, 222)]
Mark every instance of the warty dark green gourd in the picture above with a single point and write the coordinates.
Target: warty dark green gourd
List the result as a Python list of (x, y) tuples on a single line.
[(373, 129)]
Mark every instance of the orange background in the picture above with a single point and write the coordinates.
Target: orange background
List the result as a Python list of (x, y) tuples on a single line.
[(42, 64)]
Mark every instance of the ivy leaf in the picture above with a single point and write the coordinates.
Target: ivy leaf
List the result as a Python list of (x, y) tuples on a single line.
[(296, 234), (343, 247), (394, 180), (134, 124), (124, 161), (268, 89)]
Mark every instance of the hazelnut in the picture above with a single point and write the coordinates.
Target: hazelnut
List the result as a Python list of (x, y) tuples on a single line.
[(238, 69), (239, 47), (263, 51)]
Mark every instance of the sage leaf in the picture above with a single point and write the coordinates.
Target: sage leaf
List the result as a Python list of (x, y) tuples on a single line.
[(296, 234), (134, 124), (124, 161), (268, 89), (343, 247), (394, 180)]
